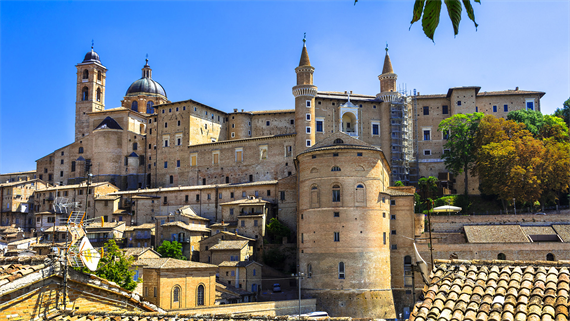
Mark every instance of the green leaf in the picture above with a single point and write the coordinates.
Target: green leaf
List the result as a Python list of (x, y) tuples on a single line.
[(418, 9), (430, 19), (454, 11), (355, 1), (470, 12)]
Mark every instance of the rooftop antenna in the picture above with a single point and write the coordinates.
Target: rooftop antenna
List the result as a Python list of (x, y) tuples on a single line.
[(92, 44), (386, 47), (304, 39)]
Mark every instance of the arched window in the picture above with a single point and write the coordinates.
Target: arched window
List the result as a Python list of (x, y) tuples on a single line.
[(176, 294), (85, 93), (550, 257), (336, 193), (360, 193), (99, 76), (200, 296), (341, 270), (314, 196), (80, 150), (338, 141), (501, 256), (408, 271), (98, 94), (309, 271), (85, 74), (149, 107), (135, 106), (314, 170), (335, 169)]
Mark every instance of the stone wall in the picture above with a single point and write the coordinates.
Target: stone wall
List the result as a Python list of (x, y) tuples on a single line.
[(271, 308)]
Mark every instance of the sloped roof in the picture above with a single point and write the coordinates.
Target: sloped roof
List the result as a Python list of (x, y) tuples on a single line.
[(222, 233), (247, 201), (229, 245), (495, 290), (188, 227), (109, 123), (170, 263), (348, 142), (238, 263), (387, 68), (538, 230), (145, 226), (138, 251), (563, 231), (495, 234)]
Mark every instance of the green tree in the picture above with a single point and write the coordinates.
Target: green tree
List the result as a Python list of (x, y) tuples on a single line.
[(533, 120), (460, 129), (554, 127), (398, 183), (171, 249), (564, 112), (277, 230), (429, 11), (428, 187), (115, 266)]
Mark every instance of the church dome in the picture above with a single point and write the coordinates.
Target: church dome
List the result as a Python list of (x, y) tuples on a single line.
[(92, 56), (146, 85)]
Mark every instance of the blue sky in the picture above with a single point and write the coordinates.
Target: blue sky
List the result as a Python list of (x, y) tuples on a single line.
[(242, 54)]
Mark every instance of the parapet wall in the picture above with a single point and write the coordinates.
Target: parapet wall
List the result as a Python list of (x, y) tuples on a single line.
[(455, 223), (270, 308)]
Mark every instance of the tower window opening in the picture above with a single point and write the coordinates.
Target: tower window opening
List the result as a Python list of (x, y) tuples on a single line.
[(85, 94), (341, 274), (135, 106), (98, 94), (85, 74), (99, 76)]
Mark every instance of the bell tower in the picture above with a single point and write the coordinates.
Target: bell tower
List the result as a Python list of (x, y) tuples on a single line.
[(90, 91), (305, 93)]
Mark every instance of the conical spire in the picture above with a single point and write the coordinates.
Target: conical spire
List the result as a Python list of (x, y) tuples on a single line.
[(304, 54), (387, 64)]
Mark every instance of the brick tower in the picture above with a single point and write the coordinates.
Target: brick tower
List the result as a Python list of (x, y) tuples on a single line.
[(91, 76), (304, 93)]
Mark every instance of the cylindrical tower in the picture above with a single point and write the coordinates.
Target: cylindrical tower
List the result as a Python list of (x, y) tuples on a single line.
[(305, 93), (239, 126), (343, 228)]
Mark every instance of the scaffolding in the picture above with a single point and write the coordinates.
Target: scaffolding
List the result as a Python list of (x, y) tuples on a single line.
[(401, 131)]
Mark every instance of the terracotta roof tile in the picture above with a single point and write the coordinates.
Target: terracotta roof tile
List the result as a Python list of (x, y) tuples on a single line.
[(503, 291)]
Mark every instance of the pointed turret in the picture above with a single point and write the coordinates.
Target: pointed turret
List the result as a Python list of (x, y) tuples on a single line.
[(304, 55), (305, 93), (387, 64), (387, 78)]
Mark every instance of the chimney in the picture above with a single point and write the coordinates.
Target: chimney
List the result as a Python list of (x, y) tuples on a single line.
[(517, 88), (235, 110)]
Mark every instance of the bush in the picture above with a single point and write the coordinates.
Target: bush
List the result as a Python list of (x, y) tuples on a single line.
[(275, 259), (276, 231)]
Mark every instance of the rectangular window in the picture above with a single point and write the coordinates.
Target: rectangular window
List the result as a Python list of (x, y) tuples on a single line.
[(193, 159), (197, 197), (337, 236), (267, 123), (494, 109), (239, 155), (394, 246), (459, 103), (392, 202), (282, 195), (165, 164), (426, 110), (444, 110), (446, 134), (375, 129), (209, 196), (242, 223), (178, 163), (393, 217), (320, 125), (393, 232), (186, 198), (308, 103), (427, 152), (155, 286), (427, 134), (336, 214), (530, 104), (384, 238), (308, 129), (220, 195), (336, 195), (308, 142), (254, 222), (231, 194), (215, 157), (506, 108), (233, 134), (308, 117)]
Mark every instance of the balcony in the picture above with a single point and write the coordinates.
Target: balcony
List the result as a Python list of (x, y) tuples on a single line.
[(142, 236)]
